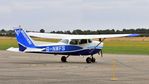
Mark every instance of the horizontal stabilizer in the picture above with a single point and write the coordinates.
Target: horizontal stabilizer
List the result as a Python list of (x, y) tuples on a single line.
[(33, 50), (13, 49)]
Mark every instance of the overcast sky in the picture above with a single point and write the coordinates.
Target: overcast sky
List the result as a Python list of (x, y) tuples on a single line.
[(74, 14)]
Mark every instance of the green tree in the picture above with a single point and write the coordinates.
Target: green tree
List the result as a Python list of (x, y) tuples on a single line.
[(42, 31)]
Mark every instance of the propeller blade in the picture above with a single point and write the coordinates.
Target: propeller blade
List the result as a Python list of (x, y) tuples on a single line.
[(101, 53)]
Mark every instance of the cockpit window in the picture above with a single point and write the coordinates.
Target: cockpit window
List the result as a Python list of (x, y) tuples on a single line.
[(83, 41), (74, 41), (78, 41)]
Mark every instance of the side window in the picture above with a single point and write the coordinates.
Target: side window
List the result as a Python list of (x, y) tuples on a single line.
[(74, 42), (89, 41), (65, 41), (83, 41)]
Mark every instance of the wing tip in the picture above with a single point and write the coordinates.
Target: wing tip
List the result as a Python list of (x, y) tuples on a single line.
[(133, 35)]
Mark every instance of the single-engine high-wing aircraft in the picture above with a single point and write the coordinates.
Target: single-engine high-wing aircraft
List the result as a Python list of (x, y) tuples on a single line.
[(69, 45)]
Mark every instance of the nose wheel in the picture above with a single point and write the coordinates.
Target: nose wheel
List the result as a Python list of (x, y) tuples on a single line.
[(90, 60)]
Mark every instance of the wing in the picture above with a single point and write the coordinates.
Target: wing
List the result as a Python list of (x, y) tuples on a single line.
[(67, 36)]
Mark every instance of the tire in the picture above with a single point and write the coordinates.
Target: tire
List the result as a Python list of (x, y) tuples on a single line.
[(63, 59), (93, 60), (88, 60)]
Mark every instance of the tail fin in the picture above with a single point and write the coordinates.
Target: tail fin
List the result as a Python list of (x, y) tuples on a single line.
[(23, 39)]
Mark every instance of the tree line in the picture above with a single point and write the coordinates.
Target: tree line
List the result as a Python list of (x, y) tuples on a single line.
[(142, 31)]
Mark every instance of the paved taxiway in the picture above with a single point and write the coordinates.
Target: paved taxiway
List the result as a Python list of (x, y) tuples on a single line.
[(27, 68)]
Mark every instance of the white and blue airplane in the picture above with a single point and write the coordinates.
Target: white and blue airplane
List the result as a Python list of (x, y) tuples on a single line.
[(69, 45)]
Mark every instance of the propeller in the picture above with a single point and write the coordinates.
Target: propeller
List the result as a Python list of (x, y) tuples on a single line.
[(100, 53)]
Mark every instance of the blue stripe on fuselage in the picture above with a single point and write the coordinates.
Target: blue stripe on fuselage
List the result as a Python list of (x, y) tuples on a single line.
[(77, 53), (60, 48), (70, 49)]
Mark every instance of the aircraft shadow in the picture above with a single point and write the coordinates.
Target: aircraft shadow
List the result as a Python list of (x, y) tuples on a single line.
[(52, 62)]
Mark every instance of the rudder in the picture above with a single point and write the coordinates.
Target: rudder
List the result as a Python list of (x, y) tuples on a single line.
[(23, 39)]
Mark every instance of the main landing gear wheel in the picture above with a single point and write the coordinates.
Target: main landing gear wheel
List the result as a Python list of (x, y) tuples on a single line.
[(90, 60), (64, 59), (93, 60)]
